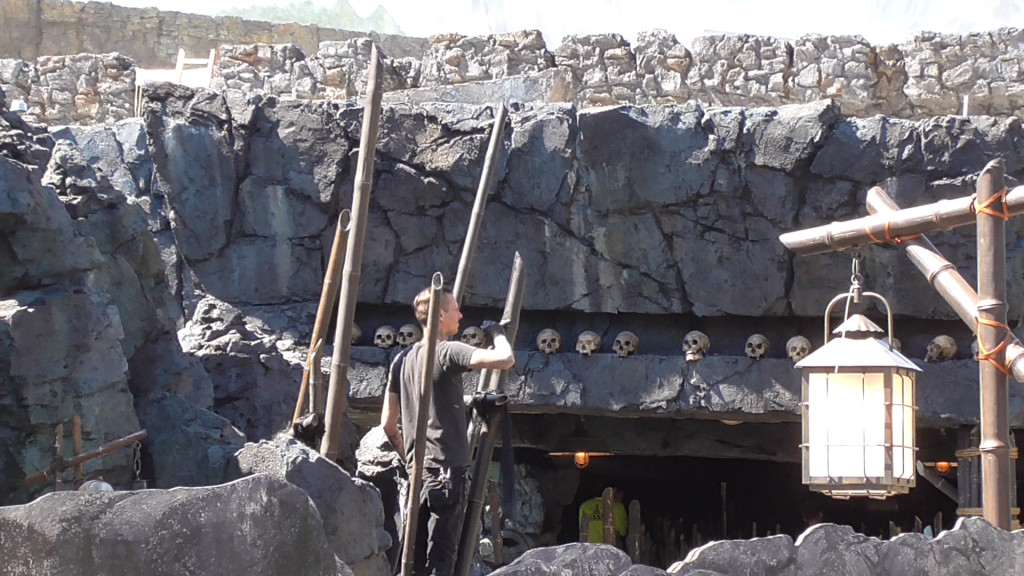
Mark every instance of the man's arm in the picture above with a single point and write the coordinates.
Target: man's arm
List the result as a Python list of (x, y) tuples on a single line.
[(498, 358), (389, 422)]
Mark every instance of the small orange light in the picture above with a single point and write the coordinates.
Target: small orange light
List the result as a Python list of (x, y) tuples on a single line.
[(581, 459), (942, 467)]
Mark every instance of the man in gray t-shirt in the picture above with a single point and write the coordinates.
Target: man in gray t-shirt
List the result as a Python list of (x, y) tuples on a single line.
[(447, 450)]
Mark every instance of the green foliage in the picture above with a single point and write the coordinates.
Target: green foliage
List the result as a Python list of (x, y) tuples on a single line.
[(340, 16)]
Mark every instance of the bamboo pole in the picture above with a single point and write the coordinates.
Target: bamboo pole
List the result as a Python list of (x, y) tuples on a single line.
[(422, 414), (337, 394), (992, 330), (479, 204), (328, 297), (471, 522), (946, 280), (940, 215), (55, 471)]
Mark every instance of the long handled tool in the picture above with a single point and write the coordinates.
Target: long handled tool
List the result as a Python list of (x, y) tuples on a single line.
[(491, 418), (479, 204), (337, 394), (423, 412)]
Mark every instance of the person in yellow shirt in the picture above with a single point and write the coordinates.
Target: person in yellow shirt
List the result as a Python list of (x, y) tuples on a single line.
[(592, 511)]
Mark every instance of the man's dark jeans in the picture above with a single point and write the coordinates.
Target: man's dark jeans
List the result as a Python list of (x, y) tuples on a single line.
[(440, 520)]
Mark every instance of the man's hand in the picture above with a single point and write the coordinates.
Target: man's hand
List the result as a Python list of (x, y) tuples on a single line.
[(492, 330)]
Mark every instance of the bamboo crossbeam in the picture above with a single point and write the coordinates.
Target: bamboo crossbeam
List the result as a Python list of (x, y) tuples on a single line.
[(103, 450), (941, 215)]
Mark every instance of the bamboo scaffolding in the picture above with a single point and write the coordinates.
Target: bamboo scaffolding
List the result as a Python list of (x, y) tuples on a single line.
[(337, 393), (420, 445), (945, 278)]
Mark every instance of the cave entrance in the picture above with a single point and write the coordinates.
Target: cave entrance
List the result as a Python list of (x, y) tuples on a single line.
[(688, 500)]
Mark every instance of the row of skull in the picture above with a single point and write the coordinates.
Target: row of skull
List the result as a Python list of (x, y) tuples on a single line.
[(695, 344)]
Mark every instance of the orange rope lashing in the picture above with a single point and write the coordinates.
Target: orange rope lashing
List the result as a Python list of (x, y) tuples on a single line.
[(989, 355), (985, 207)]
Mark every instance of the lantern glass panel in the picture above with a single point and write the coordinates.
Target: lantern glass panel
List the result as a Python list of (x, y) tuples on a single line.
[(847, 417)]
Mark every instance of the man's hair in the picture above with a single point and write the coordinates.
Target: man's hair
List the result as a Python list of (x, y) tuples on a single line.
[(421, 305)]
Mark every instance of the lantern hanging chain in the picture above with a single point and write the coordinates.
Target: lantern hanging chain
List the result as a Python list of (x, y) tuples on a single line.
[(856, 289), (138, 460)]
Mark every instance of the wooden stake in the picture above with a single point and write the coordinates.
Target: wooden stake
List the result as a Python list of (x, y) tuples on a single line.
[(76, 438)]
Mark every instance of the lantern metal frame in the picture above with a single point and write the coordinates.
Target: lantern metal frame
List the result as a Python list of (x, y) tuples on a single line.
[(885, 465)]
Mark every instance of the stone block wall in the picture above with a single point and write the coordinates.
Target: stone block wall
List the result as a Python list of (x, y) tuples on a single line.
[(33, 28), (929, 75)]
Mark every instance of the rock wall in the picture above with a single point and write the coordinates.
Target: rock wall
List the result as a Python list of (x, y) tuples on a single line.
[(88, 313), (929, 75), (210, 219), (34, 28)]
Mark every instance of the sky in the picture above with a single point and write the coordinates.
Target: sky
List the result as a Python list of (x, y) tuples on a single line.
[(878, 21)]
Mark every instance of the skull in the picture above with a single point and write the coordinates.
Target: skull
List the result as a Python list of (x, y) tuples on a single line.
[(696, 345), (473, 336), (384, 337), (626, 344), (941, 348), (757, 346), (357, 333), (409, 334), (588, 343), (975, 350), (797, 348), (549, 341)]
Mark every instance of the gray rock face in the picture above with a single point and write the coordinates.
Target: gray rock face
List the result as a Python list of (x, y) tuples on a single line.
[(972, 547), (353, 517), (575, 559), (258, 525)]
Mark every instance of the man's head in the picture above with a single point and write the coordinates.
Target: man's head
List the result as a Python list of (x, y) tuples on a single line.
[(448, 316)]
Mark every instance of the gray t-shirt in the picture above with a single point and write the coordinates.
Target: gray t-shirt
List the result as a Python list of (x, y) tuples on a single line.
[(446, 426)]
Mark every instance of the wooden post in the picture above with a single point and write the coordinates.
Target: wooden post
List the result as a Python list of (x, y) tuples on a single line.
[(422, 414), (337, 394), (496, 538), (328, 298), (992, 332), (634, 534), (608, 515), (76, 438), (58, 459)]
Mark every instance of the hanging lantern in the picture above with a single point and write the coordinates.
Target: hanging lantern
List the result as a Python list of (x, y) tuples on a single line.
[(858, 409), (581, 459)]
